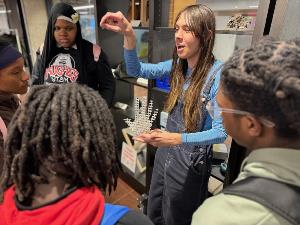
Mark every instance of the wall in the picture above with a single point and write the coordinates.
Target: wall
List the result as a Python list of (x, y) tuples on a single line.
[(3, 17), (175, 7), (36, 20), (230, 4), (286, 20), (112, 43)]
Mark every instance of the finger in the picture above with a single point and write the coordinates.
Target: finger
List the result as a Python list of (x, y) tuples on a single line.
[(109, 17), (155, 135), (112, 28), (157, 130), (153, 143), (109, 21), (145, 139), (145, 135), (104, 18), (138, 139)]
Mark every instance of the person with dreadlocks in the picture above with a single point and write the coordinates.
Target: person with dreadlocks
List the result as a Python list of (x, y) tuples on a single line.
[(66, 57), (259, 99), (13, 80), (59, 158), (183, 160)]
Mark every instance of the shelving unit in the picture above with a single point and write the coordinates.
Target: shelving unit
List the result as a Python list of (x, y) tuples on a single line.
[(238, 32), (229, 39), (126, 90), (139, 11), (235, 10)]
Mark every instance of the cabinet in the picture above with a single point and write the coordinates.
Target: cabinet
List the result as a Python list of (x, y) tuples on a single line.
[(127, 89)]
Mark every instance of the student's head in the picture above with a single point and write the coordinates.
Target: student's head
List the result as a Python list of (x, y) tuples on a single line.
[(13, 78), (65, 33), (194, 39), (63, 131), (194, 33), (263, 81), (64, 21)]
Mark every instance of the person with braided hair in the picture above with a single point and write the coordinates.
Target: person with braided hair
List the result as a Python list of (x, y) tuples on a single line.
[(182, 165), (259, 100), (13, 81), (59, 158)]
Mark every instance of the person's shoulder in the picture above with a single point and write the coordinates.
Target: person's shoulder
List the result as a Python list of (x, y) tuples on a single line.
[(134, 217), (230, 209), (216, 71), (92, 50), (122, 215), (86, 45), (217, 66)]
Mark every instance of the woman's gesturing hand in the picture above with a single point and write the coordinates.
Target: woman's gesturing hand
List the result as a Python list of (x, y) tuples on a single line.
[(116, 22), (159, 138)]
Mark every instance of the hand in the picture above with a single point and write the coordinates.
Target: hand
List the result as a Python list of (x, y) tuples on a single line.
[(160, 138), (116, 22)]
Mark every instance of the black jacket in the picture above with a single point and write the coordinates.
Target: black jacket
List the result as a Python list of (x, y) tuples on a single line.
[(8, 106)]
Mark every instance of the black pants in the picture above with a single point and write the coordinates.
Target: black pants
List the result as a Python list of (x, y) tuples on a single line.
[(179, 183)]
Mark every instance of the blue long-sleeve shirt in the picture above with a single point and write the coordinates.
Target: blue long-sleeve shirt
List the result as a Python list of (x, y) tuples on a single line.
[(213, 131)]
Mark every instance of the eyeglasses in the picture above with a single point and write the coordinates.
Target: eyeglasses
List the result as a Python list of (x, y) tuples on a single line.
[(215, 112)]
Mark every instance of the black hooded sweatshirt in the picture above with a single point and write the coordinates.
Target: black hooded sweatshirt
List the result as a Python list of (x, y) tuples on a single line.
[(76, 64)]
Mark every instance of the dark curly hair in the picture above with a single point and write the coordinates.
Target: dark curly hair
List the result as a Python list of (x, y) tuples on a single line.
[(65, 130), (266, 79)]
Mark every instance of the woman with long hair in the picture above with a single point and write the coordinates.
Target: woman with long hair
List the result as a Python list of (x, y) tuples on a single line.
[(183, 160)]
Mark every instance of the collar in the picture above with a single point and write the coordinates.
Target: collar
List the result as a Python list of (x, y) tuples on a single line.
[(80, 206), (10, 99), (271, 155), (280, 164), (189, 71)]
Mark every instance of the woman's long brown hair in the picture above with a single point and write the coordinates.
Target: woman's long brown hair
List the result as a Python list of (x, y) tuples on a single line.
[(201, 22)]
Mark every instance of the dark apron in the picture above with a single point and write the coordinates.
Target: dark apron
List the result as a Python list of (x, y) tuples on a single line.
[(180, 175)]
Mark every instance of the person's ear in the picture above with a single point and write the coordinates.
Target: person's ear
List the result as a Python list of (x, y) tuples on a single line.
[(254, 126)]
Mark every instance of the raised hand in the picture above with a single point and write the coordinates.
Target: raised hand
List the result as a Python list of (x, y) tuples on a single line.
[(117, 22)]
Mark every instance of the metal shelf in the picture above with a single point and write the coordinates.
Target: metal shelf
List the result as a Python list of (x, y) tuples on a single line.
[(133, 81), (238, 32), (230, 11)]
